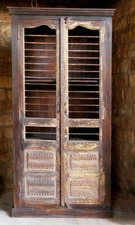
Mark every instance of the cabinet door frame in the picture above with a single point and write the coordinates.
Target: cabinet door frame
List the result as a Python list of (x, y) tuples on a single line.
[(104, 122), (22, 145)]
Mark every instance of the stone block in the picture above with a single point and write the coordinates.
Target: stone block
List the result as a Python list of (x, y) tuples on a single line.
[(128, 136), (124, 66), (125, 109), (6, 107), (5, 69), (126, 95), (132, 80), (8, 133), (125, 80), (117, 94), (118, 134), (6, 158), (124, 157), (5, 55), (3, 146), (121, 81), (117, 122), (133, 107), (132, 94), (2, 94), (133, 156), (10, 141), (5, 151), (131, 51), (7, 171), (132, 64), (5, 34), (6, 120), (0, 134), (9, 94), (5, 81), (4, 16), (127, 122)]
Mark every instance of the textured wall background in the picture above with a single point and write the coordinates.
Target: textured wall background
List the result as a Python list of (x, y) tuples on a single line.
[(5, 100), (123, 151)]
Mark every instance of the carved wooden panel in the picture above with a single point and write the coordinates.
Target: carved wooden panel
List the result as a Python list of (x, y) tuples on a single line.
[(83, 161), (41, 188), (83, 188), (40, 160)]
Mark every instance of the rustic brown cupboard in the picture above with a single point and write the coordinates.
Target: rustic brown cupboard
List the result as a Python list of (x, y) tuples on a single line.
[(61, 60)]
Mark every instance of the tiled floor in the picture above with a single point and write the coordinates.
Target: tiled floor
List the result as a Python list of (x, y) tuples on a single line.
[(6, 219)]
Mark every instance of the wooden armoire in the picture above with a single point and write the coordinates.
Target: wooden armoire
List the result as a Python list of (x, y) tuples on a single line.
[(61, 65)]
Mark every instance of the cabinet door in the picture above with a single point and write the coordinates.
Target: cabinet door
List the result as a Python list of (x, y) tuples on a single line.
[(86, 112), (39, 107)]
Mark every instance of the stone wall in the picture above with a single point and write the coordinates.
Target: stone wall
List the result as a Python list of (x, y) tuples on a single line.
[(5, 100), (123, 151)]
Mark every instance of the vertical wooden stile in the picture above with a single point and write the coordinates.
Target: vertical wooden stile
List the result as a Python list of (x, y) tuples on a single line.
[(106, 52), (62, 91)]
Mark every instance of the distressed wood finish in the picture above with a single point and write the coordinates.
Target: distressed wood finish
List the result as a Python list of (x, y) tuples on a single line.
[(62, 111), (61, 12)]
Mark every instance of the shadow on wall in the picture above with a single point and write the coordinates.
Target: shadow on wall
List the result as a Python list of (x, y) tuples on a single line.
[(5, 100), (2, 184), (6, 177)]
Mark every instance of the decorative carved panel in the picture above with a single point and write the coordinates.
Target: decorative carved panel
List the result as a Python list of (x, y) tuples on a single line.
[(43, 188), (40, 160), (83, 188), (86, 161)]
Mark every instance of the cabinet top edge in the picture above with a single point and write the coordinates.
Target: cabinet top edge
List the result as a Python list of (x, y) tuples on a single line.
[(61, 11)]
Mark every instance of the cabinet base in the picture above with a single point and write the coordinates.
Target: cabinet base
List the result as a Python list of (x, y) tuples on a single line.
[(61, 212)]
